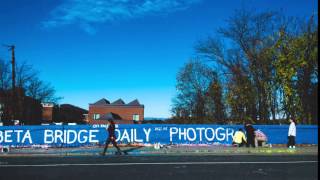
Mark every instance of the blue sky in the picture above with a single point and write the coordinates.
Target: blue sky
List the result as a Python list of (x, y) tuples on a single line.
[(129, 49)]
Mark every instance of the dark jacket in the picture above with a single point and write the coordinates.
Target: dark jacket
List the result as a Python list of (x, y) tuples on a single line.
[(111, 129), (250, 131)]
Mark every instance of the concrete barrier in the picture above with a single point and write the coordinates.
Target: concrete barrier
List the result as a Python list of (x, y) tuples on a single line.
[(86, 135)]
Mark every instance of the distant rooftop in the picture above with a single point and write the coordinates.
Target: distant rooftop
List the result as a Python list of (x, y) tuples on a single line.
[(134, 103), (102, 101), (119, 102)]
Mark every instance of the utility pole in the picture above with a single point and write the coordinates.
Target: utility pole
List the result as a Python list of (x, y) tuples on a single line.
[(11, 48), (13, 69)]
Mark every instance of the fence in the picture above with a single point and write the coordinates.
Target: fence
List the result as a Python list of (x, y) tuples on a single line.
[(86, 135)]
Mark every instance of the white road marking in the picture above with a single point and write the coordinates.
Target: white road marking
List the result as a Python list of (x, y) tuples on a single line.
[(156, 163)]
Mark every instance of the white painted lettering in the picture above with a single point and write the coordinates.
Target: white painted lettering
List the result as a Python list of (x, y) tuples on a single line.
[(147, 133), (136, 138), (118, 135), (7, 136), (220, 135), (200, 132), (18, 135), (85, 138), (92, 136), (173, 131), (1, 136), (206, 134), (194, 134), (125, 135), (48, 134), (58, 134), (69, 141), (27, 135), (229, 133), (183, 133)]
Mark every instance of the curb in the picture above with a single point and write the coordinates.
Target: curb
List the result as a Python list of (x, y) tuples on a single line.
[(172, 151)]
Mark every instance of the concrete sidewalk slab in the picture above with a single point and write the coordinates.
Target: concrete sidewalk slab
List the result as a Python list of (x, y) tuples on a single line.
[(165, 150)]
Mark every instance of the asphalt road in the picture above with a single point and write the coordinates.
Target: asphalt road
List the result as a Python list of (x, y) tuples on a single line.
[(240, 167)]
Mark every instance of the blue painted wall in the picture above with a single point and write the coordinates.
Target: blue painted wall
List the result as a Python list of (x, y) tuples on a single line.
[(81, 135)]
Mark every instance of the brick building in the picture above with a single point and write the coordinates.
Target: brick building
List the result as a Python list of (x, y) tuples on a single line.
[(19, 109), (47, 112), (122, 113)]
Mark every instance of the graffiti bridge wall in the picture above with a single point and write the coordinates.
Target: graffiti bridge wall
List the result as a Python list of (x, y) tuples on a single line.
[(84, 135)]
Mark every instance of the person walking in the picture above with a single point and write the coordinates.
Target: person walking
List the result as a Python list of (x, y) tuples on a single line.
[(239, 138), (111, 138), (250, 135), (292, 134)]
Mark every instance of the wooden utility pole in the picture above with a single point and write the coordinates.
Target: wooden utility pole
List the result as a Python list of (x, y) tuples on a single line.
[(13, 96), (11, 48), (13, 81), (13, 68)]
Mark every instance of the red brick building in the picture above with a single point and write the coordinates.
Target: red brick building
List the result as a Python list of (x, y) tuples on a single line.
[(119, 111), (47, 112)]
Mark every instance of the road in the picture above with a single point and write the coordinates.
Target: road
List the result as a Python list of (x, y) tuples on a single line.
[(164, 167)]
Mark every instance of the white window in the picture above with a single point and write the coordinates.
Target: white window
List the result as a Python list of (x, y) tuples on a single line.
[(96, 116), (135, 117)]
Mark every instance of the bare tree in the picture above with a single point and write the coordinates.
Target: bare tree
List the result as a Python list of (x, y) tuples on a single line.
[(41, 91), (30, 91), (4, 75), (28, 80)]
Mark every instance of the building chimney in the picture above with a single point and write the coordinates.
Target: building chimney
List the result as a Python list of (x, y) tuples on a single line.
[(47, 112)]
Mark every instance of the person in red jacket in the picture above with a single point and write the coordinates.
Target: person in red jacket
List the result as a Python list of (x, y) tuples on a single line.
[(111, 138)]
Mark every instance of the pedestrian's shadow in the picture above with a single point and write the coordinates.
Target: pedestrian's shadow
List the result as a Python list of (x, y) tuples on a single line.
[(132, 149)]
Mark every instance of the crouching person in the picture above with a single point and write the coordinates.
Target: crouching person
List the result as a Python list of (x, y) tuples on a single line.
[(239, 138), (261, 138)]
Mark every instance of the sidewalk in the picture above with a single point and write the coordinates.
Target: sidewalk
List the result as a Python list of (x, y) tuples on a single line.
[(165, 150)]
